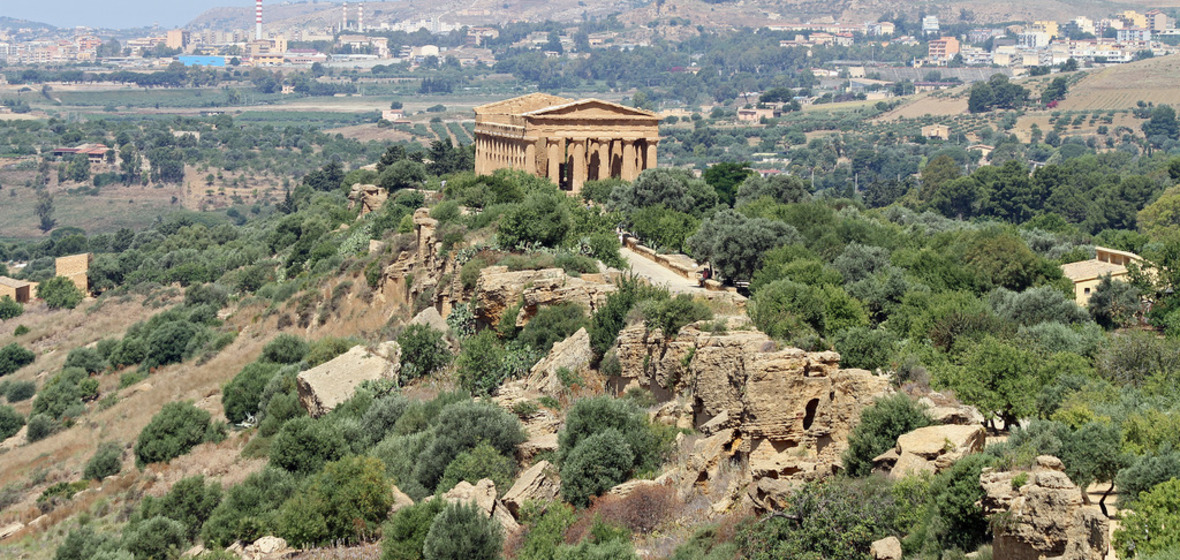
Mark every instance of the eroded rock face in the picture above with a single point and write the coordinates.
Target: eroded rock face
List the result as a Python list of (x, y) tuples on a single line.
[(538, 484), (483, 495), (369, 198), (573, 354), (787, 413), (324, 387), (888, 548), (931, 449), (498, 290), (1044, 517)]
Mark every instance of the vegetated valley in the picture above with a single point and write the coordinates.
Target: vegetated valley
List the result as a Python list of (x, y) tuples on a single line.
[(270, 360)]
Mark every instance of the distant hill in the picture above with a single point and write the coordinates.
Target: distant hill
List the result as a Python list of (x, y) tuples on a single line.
[(11, 24), (712, 14)]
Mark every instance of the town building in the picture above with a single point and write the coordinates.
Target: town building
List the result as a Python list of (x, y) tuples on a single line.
[(942, 50), (1086, 275), (569, 141), (95, 152), (930, 25)]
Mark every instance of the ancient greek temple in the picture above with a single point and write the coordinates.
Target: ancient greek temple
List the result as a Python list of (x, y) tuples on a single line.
[(568, 141)]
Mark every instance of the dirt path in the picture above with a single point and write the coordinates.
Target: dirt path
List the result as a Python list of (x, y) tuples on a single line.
[(659, 275)]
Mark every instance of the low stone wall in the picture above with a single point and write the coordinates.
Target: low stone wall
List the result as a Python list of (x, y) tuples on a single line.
[(676, 262)]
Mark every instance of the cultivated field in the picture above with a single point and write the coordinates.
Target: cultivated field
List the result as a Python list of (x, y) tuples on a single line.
[(1119, 87)]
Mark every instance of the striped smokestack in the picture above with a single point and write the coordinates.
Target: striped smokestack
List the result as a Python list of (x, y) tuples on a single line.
[(258, 20), (344, 17), (360, 17)]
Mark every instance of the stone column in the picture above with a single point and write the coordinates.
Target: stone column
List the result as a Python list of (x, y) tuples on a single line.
[(555, 157), (650, 160), (530, 158), (604, 158), (629, 172), (580, 173)]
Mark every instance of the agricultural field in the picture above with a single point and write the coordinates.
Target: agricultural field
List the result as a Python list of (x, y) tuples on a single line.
[(1120, 87)]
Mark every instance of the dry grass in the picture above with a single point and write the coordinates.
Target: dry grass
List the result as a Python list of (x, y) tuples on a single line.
[(62, 456)]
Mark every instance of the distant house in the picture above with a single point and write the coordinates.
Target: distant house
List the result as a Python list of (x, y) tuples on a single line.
[(95, 152), (756, 114), (1086, 275), (984, 149), (936, 132), (76, 268), (18, 290)]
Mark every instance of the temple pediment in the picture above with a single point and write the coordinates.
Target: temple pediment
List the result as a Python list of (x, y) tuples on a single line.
[(589, 108), (522, 104)]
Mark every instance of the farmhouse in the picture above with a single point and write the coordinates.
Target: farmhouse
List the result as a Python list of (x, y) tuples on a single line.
[(18, 290), (1086, 275), (936, 131), (95, 152), (76, 268)]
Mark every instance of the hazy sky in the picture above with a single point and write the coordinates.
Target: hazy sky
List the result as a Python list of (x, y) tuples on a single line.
[(113, 13)]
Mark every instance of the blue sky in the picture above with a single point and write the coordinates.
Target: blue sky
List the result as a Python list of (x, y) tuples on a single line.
[(113, 13)]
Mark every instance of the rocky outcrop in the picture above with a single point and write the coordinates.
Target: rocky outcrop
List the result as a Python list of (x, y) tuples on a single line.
[(573, 354), (421, 271), (1041, 515), (944, 410), (369, 198), (538, 484), (784, 414), (888, 548), (483, 495), (930, 449), (11, 529), (400, 501), (324, 387), (499, 290)]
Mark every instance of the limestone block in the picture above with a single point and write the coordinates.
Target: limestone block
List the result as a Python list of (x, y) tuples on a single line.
[(325, 386), (539, 484)]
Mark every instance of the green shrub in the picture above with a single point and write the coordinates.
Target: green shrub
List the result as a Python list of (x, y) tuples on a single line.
[(605, 247), (877, 432), (344, 503), (88, 359), (547, 524), (672, 314), (1147, 472), (595, 415), (83, 543), (248, 510), (542, 218), (598, 463), (41, 426), (399, 453), (479, 463), (303, 445), (551, 325), (837, 519), (381, 417), (462, 531), (190, 502), (864, 348), (1150, 527), (611, 317), (11, 422), (285, 349), (480, 363), (327, 348), (106, 461), (463, 426), (63, 394), (10, 308), (60, 292), (404, 535), (952, 518), (18, 391), (242, 395), (156, 538), (172, 432), (14, 357), (423, 351), (170, 343), (20, 330)]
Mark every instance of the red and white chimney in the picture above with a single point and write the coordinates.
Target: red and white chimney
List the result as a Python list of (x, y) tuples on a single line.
[(258, 20)]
